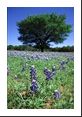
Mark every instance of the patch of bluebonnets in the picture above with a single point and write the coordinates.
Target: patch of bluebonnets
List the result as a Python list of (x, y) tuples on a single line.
[(48, 73), (40, 56), (57, 94)]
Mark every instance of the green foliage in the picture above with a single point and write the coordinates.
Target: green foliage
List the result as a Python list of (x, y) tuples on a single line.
[(18, 92), (63, 49), (10, 47), (30, 48), (43, 29), (21, 48)]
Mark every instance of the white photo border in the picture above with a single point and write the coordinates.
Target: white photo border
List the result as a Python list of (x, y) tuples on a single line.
[(77, 57)]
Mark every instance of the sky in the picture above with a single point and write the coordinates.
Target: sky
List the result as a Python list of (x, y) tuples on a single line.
[(16, 14)]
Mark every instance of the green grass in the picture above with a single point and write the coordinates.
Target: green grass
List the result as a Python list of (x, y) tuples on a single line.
[(18, 91)]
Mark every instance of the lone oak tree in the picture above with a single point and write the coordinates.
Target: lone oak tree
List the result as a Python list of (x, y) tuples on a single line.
[(43, 29)]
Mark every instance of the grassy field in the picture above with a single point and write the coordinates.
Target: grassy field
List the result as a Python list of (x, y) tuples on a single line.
[(19, 94)]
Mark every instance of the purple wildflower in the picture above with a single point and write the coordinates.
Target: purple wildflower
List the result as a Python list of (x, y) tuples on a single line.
[(33, 72), (57, 94), (34, 86), (49, 74), (45, 70)]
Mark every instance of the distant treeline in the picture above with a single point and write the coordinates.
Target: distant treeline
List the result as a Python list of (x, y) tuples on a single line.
[(30, 48)]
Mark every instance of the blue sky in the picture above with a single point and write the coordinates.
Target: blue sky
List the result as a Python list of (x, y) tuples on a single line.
[(16, 14)]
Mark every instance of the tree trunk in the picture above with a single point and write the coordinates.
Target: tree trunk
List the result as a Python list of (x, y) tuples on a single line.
[(42, 49), (41, 46)]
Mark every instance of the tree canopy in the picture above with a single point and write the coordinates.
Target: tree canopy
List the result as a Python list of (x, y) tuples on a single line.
[(40, 30)]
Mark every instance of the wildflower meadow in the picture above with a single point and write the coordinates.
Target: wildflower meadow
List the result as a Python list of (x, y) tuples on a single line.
[(40, 80)]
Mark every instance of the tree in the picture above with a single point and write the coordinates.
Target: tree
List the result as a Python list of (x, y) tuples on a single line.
[(10, 47), (43, 29)]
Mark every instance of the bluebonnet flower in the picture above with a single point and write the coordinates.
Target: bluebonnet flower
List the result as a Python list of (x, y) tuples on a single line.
[(45, 70), (33, 72), (34, 86), (49, 74), (57, 94)]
